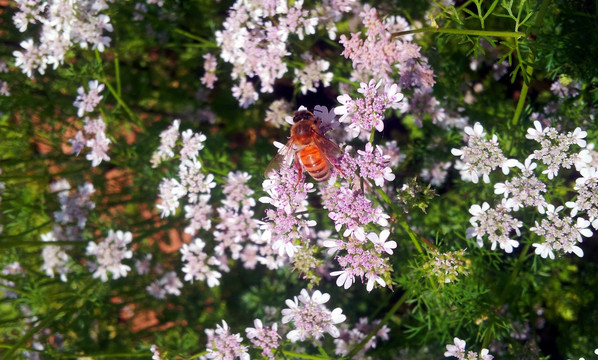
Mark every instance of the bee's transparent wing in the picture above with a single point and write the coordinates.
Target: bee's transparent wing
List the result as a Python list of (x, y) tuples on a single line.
[(284, 156), (329, 149)]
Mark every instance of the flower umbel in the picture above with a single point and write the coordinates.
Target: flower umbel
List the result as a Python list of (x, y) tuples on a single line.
[(222, 345), (109, 255), (264, 337), (310, 316)]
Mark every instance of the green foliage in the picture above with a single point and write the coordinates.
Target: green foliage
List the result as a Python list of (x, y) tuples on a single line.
[(494, 63)]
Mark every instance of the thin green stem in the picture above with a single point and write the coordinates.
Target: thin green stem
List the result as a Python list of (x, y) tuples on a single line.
[(478, 5), (29, 244), (529, 69), (304, 356), (7, 236), (116, 94), (522, 96), (195, 37), (515, 34), (412, 236), (384, 320)]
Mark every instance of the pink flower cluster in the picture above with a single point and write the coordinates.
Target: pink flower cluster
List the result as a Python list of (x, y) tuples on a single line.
[(458, 351), (64, 23), (254, 39), (168, 139), (379, 54), (74, 206), (168, 284), (55, 258), (282, 228), (94, 137), (351, 337), (312, 74), (351, 209), (363, 259), (263, 337), (236, 225), (209, 66), (223, 345), (366, 113), (310, 317)]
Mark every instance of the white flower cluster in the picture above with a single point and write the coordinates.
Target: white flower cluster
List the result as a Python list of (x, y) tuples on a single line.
[(560, 233), (109, 255), (63, 24)]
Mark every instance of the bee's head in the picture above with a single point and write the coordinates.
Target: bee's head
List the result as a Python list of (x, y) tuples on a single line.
[(303, 115)]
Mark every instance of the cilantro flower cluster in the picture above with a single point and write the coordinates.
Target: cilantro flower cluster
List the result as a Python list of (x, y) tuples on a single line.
[(74, 206), (310, 317), (94, 137), (458, 351), (379, 53), (350, 337), (587, 195), (110, 254), (55, 258), (63, 24), (209, 77), (496, 223), (312, 74), (447, 266), (168, 284), (525, 190), (366, 113), (363, 259), (555, 148), (197, 263), (352, 210), (373, 165), (560, 233), (480, 156), (281, 227), (237, 224), (193, 181), (254, 39), (223, 345), (264, 337)]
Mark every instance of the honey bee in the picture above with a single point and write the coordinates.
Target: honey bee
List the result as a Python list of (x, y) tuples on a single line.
[(311, 150)]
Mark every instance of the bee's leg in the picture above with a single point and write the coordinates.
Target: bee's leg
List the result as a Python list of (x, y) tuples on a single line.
[(298, 167)]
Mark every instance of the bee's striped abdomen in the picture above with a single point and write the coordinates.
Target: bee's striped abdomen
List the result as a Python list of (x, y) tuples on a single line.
[(314, 163)]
